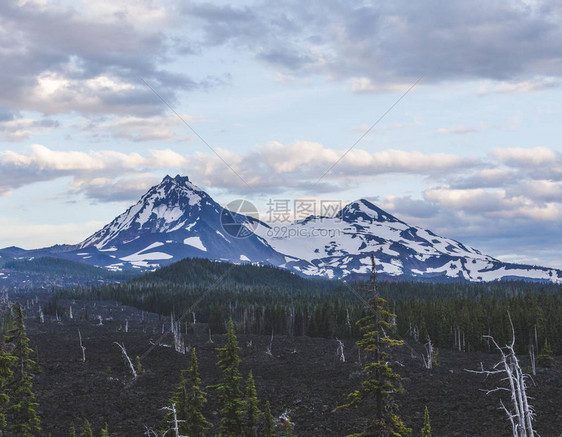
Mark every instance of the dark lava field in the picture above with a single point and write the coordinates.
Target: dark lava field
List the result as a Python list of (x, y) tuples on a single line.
[(303, 376)]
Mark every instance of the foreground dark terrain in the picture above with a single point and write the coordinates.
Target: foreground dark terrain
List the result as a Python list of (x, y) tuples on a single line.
[(303, 376)]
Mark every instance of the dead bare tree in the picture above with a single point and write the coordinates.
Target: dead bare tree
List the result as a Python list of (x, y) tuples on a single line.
[(533, 359), (268, 349), (150, 432), (82, 347), (521, 414), (339, 351), (127, 360), (179, 344), (175, 422), (428, 359)]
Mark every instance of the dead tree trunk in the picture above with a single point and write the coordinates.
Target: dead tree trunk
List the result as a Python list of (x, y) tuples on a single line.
[(128, 360), (82, 347), (521, 414)]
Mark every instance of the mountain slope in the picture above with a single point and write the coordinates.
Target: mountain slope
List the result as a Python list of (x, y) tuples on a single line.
[(174, 220), (341, 246)]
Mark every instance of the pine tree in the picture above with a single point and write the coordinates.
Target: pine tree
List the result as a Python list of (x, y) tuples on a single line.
[(289, 426), (251, 411), (190, 401), (426, 430), (290, 429), (381, 382), (232, 420), (22, 414), (138, 366), (6, 363), (269, 421), (86, 430), (545, 358), (105, 431)]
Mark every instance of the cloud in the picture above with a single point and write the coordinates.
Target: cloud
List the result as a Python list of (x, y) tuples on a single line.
[(306, 156), (520, 87), (272, 167), (540, 190), (455, 130), (415, 208), (523, 157), (475, 200), (384, 46), (18, 129), (138, 129), (362, 85), (65, 59), (43, 158), (42, 164), (515, 223), (485, 178), (500, 203), (114, 190)]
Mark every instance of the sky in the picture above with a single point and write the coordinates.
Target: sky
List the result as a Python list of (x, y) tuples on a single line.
[(445, 114)]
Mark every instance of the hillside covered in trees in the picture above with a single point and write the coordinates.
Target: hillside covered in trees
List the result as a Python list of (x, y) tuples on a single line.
[(266, 300)]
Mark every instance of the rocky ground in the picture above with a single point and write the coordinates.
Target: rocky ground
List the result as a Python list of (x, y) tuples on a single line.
[(303, 376)]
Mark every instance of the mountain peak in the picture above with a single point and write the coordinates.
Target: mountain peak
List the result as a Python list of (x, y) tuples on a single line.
[(174, 189), (363, 209), (168, 206), (178, 179)]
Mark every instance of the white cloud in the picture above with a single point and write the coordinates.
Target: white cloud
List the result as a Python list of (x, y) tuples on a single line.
[(366, 85), (475, 187), (19, 129), (536, 156), (43, 158), (495, 203), (274, 166), (109, 189), (475, 200), (139, 129), (519, 87), (455, 130), (310, 157), (55, 92), (541, 190)]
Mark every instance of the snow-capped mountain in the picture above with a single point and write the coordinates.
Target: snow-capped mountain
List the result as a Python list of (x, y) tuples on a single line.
[(175, 219), (341, 246), (172, 221)]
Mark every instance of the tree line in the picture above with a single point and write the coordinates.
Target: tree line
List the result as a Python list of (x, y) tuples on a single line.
[(265, 300)]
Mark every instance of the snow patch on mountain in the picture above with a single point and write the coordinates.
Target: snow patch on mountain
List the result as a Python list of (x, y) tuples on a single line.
[(195, 242)]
